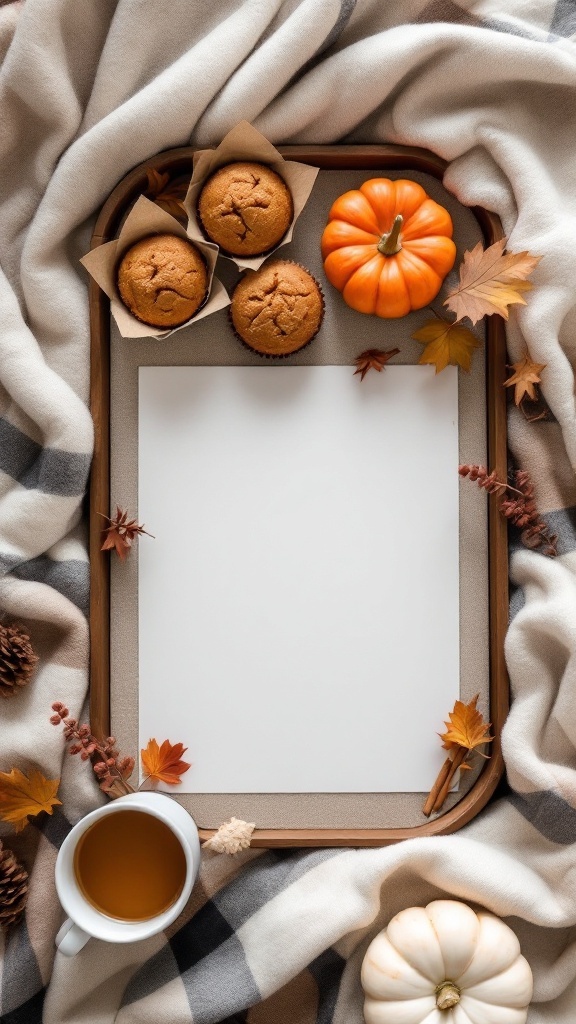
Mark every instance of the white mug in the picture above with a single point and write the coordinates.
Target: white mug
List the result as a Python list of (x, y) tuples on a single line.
[(84, 920)]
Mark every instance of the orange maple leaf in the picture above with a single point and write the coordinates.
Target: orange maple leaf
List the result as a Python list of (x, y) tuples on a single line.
[(21, 797), (164, 763), (466, 727)]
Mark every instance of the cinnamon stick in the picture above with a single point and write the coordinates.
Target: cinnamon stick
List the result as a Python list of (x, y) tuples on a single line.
[(459, 757), (442, 776)]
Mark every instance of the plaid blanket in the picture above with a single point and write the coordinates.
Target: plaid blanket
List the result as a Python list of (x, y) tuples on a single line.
[(87, 90)]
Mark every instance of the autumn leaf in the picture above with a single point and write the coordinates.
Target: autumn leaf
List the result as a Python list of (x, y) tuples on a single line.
[(526, 376), (164, 763), (465, 731), (169, 198), (21, 796), (118, 536), (466, 727), (490, 281), (373, 359), (446, 344)]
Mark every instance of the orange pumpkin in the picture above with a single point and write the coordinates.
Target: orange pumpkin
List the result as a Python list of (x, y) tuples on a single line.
[(387, 247)]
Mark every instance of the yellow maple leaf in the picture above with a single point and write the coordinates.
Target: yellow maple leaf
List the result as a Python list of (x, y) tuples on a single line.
[(490, 281), (21, 797), (466, 727), (164, 763), (446, 344), (526, 376)]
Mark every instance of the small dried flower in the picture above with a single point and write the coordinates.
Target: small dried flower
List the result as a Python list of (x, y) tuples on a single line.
[(231, 837)]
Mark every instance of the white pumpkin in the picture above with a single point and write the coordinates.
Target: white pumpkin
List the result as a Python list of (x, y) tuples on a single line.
[(445, 964)]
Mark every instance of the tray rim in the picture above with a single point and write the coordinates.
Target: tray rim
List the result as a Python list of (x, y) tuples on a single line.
[(336, 157)]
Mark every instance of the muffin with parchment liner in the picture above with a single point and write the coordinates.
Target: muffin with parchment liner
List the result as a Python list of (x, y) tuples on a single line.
[(163, 280), (246, 208)]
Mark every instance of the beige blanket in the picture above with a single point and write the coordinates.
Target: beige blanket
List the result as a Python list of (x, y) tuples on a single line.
[(89, 89)]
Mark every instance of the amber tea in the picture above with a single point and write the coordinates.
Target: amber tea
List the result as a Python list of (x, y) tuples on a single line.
[(130, 865)]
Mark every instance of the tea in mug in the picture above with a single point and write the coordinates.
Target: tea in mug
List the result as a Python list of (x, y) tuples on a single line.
[(130, 865)]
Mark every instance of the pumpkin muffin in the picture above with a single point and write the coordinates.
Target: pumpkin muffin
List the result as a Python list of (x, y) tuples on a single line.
[(163, 280), (245, 208), (277, 309)]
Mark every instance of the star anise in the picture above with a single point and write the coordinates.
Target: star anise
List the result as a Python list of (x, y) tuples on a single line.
[(373, 359), (118, 536)]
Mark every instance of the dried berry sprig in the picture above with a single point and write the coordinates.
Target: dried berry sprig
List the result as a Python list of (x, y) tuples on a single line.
[(521, 510), (481, 476), (111, 769)]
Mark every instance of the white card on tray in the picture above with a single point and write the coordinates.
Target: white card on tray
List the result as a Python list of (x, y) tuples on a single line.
[(299, 606)]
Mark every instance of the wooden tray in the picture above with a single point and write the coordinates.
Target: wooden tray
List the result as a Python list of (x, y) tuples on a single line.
[(177, 163)]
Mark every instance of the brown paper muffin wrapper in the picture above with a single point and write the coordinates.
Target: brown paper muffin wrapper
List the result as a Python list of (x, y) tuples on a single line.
[(296, 351), (146, 218), (245, 143)]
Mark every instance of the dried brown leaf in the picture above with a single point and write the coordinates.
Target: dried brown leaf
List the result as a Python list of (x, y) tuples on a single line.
[(118, 536), (524, 379), (490, 281), (373, 359)]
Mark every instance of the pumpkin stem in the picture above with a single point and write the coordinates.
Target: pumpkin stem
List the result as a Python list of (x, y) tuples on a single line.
[(389, 244), (447, 995)]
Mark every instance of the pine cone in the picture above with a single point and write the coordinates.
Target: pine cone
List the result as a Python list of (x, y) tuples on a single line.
[(13, 888), (17, 660)]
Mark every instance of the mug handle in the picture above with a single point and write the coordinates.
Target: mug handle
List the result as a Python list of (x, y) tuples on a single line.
[(71, 938)]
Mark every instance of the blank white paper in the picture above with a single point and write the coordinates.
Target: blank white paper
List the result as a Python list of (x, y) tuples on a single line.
[(298, 607)]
